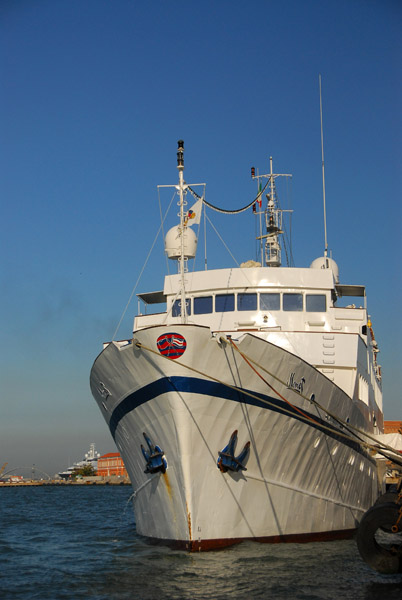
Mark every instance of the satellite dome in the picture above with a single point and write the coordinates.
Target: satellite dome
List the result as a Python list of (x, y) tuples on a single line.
[(173, 242), (323, 262)]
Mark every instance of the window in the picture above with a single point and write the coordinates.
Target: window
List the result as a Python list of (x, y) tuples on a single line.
[(176, 310), (293, 302), (246, 301), (316, 303), (270, 302), (202, 305), (224, 302)]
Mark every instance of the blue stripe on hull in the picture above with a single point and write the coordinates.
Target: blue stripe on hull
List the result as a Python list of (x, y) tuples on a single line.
[(203, 387)]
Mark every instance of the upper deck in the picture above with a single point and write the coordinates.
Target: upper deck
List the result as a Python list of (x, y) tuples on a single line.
[(262, 298), (295, 308)]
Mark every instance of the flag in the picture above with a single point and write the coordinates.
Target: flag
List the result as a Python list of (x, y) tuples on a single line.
[(193, 216), (260, 195)]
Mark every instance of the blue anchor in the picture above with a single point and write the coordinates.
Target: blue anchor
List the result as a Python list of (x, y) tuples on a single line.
[(227, 461), (156, 462)]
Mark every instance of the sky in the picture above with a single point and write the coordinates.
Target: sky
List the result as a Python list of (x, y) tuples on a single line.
[(95, 95)]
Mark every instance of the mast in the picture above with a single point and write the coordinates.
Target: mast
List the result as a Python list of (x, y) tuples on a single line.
[(180, 240), (273, 219), (182, 258)]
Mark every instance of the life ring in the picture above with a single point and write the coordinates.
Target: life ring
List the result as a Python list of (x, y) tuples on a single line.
[(387, 497), (386, 558)]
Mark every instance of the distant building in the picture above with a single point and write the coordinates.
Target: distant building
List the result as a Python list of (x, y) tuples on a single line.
[(111, 464), (393, 427)]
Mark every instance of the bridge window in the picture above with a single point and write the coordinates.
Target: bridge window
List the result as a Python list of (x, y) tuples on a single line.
[(224, 302), (246, 301), (316, 303), (293, 302), (202, 305), (176, 309), (270, 302)]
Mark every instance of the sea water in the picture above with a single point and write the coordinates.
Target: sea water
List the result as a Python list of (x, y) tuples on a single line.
[(70, 542)]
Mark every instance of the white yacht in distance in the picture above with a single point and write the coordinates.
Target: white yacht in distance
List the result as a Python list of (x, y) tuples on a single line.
[(91, 458), (243, 410)]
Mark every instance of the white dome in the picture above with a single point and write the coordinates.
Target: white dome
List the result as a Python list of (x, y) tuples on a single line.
[(323, 262), (173, 242)]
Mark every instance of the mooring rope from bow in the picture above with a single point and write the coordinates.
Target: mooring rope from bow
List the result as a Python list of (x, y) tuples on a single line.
[(270, 386), (377, 448), (381, 448)]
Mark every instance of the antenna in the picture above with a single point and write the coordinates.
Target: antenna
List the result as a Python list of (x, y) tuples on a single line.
[(273, 218), (323, 177)]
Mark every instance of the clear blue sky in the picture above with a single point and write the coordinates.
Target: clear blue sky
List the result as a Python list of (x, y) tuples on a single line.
[(95, 95)]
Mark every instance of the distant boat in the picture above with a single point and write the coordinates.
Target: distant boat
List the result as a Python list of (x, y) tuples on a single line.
[(241, 411), (90, 459)]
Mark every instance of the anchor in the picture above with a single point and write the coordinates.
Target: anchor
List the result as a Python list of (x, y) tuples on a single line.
[(156, 462), (227, 461)]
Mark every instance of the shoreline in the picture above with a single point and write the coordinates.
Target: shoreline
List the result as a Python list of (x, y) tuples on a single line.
[(61, 483)]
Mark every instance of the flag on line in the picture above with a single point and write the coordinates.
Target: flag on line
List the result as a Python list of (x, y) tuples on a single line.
[(193, 216)]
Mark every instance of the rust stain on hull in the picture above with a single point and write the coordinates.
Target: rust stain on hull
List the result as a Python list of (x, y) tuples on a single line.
[(189, 524), (168, 486)]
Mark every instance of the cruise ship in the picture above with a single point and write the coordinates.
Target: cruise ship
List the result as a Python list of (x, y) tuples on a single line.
[(244, 410)]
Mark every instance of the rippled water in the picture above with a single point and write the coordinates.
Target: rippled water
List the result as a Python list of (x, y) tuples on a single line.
[(80, 542)]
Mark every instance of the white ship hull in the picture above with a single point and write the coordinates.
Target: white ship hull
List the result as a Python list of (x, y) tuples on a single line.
[(304, 479)]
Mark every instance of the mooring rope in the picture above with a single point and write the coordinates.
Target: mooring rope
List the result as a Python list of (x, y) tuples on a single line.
[(270, 386), (307, 419), (382, 446)]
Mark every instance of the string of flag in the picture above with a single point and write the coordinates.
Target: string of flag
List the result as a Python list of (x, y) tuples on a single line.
[(202, 200)]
